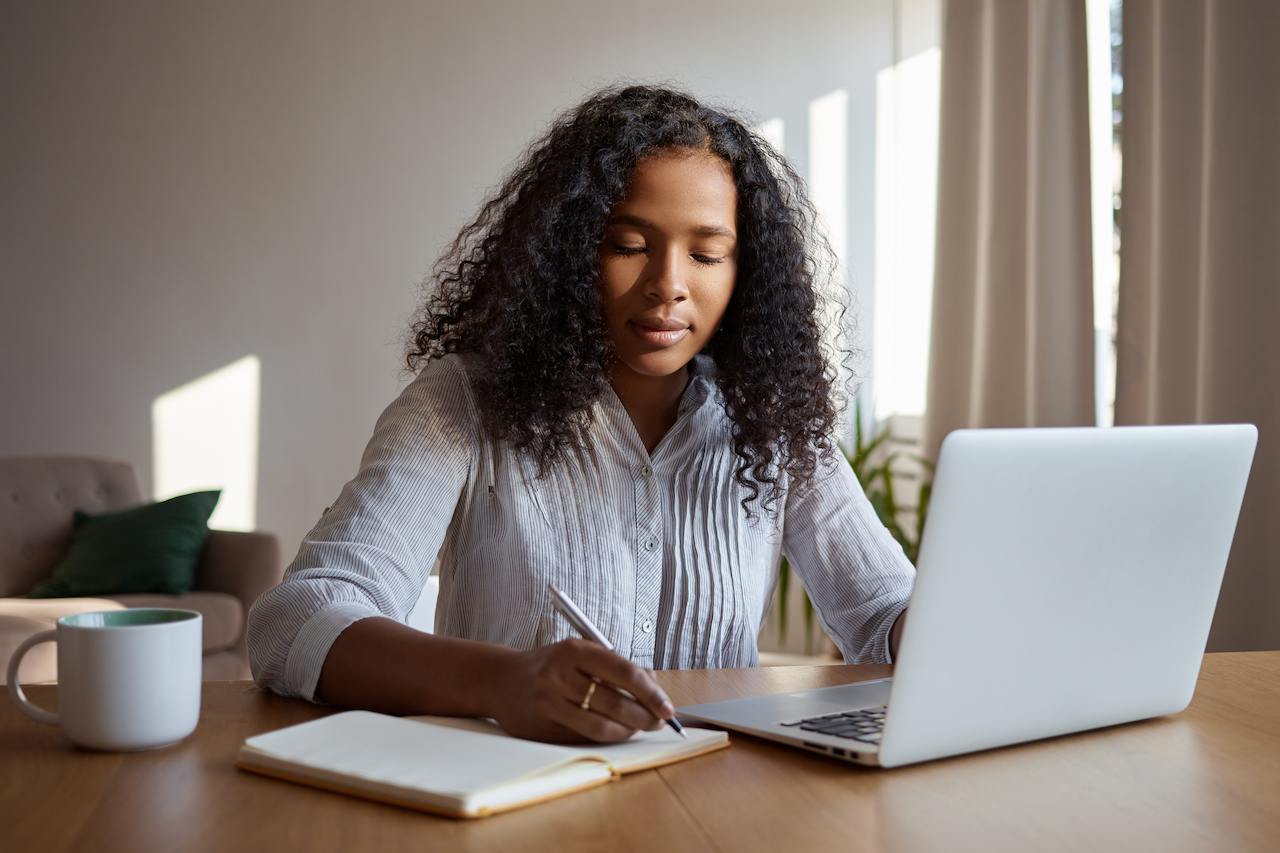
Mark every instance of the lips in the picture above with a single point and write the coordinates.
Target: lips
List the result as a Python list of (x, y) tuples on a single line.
[(659, 333), (661, 325)]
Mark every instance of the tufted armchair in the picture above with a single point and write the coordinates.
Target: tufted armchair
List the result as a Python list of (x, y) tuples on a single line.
[(37, 498)]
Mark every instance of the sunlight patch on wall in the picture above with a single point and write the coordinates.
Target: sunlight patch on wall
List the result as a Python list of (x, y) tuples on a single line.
[(1105, 84), (205, 436), (828, 184), (829, 170), (906, 203)]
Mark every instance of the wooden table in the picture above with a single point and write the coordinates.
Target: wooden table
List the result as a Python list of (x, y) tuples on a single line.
[(1207, 779)]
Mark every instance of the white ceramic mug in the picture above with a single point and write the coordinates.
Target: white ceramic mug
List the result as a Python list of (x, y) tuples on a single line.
[(127, 679)]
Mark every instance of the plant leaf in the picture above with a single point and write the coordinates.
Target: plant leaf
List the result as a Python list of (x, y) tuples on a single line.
[(857, 424), (922, 512), (867, 451), (808, 624), (928, 464)]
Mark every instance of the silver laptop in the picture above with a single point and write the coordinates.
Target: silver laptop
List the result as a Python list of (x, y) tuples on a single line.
[(1066, 581)]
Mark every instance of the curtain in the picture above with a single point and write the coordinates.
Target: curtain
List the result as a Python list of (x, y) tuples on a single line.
[(1012, 335), (1197, 337)]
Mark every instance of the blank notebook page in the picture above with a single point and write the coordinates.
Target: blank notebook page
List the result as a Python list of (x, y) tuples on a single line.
[(393, 750)]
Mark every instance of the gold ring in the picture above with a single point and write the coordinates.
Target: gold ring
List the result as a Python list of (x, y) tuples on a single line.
[(585, 704)]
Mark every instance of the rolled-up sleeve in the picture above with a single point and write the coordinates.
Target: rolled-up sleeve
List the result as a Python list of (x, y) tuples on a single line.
[(855, 572), (371, 551)]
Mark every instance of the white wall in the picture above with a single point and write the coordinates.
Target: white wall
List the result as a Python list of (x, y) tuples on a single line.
[(184, 184)]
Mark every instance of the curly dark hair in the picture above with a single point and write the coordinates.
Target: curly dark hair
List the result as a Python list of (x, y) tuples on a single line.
[(519, 289)]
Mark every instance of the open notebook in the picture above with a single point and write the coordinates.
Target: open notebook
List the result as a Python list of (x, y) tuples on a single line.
[(453, 766)]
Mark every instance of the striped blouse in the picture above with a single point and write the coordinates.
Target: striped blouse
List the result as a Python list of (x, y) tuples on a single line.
[(655, 548)]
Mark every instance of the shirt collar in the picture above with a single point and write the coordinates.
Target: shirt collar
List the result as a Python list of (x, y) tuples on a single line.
[(701, 380), (696, 394)]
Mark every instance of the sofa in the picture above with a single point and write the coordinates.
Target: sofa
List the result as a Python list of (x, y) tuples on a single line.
[(38, 496)]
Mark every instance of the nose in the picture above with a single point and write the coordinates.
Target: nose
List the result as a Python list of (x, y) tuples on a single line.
[(667, 280)]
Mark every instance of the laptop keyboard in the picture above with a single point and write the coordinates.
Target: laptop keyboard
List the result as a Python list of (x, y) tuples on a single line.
[(865, 724)]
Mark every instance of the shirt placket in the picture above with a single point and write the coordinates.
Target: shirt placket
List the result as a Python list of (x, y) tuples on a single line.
[(649, 555)]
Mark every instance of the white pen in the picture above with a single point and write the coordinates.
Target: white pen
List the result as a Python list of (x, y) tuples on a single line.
[(579, 620)]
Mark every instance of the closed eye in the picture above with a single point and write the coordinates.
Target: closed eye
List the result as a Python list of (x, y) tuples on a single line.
[(705, 260)]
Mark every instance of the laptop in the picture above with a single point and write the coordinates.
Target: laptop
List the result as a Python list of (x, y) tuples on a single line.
[(1066, 580)]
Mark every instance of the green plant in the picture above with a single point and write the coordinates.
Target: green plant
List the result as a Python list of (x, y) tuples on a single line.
[(877, 484)]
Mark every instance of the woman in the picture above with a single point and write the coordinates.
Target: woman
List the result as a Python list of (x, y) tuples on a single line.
[(621, 389)]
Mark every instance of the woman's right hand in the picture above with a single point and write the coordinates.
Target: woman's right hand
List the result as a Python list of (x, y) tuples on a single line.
[(537, 694)]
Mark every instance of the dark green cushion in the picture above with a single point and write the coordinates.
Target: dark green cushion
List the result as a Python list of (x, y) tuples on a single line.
[(149, 548)]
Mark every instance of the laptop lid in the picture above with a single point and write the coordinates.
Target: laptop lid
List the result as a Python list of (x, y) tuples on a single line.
[(1066, 580)]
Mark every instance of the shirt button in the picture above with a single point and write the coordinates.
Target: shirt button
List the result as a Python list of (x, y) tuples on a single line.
[(651, 545), (647, 627), (646, 471)]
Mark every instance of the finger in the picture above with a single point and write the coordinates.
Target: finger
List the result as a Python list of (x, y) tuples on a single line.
[(597, 727), (613, 704), (596, 660), (593, 726)]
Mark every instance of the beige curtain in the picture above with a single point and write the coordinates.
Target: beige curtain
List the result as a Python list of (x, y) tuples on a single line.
[(1012, 336), (1199, 324)]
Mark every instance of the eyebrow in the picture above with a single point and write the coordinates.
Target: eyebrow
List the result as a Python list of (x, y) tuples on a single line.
[(703, 230)]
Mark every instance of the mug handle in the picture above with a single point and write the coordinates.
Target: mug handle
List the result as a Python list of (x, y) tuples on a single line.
[(35, 712)]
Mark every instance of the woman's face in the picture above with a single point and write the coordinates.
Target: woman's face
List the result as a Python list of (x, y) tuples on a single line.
[(668, 260)]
